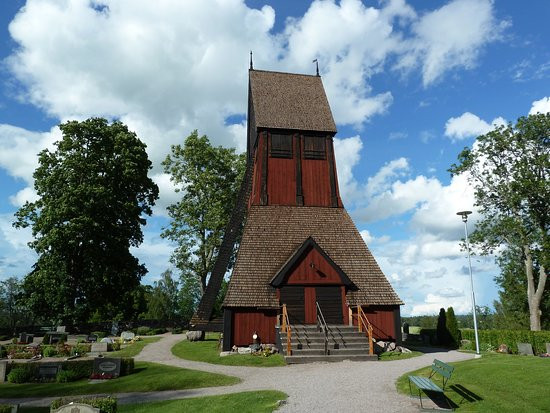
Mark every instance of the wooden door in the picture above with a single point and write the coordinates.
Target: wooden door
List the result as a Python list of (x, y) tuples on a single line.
[(293, 297), (330, 302)]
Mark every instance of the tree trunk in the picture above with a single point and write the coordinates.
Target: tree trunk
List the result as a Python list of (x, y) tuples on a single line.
[(534, 295)]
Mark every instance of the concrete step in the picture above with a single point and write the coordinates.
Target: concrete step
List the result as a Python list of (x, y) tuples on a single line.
[(330, 358)]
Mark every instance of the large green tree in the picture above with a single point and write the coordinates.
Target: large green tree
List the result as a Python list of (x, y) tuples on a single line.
[(163, 302), (509, 169), (13, 313), (209, 178), (94, 194)]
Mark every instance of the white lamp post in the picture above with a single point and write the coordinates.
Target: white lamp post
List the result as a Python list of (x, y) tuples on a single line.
[(464, 215)]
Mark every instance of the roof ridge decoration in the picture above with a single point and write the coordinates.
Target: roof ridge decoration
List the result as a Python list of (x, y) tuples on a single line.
[(279, 277)]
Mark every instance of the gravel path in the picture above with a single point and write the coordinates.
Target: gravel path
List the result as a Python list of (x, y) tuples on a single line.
[(320, 387)]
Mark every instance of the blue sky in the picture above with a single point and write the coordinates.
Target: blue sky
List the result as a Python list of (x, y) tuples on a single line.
[(410, 84)]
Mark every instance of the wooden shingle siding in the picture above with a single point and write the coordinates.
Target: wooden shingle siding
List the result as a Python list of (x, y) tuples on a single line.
[(272, 235)]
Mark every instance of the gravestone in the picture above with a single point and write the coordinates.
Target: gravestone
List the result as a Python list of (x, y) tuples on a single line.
[(525, 349), (127, 335), (99, 347), (22, 338), (107, 340), (3, 367), (547, 348), (48, 371), (56, 337), (76, 408), (92, 338), (107, 366), (61, 329)]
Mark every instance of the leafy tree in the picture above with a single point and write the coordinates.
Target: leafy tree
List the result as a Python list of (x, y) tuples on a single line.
[(189, 296), (12, 310), (209, 179), (441, 330), (163, 301), (452, 328), (509, 169), (94, 193)]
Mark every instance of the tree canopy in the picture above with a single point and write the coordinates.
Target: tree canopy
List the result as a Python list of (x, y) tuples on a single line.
[(208, 178), (94, 194), (509, 169)]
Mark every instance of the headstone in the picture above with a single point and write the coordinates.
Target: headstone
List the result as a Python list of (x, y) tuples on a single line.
[(56, 337), (99, 347), (110, 366), (406, 328), (525, 349), (195, 335), (92, 338), (3, 367), (22, 338), (547, 348), (61, 329), (76, 408), (107, 340), (127, 335), (114, 328), (48, 371), (244, 350)]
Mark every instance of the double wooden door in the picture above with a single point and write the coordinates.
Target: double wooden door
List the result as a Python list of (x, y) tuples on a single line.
[(300, 303)]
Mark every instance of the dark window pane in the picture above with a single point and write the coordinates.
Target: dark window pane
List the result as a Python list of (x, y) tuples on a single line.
[(314, 147), (281, 146)]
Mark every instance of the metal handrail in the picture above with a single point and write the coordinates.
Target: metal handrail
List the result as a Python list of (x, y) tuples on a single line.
[(286, 328), (363, 322), (322, 325)]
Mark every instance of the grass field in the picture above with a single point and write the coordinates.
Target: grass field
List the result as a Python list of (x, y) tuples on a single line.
[(496, 383), (208, 352), (247, 402), (134, 349), (147, 377), (389, 356)]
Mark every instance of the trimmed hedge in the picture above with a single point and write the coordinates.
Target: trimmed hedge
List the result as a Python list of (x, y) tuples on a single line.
[(5, 408), (511, 338), (104, 404), (126, 366)]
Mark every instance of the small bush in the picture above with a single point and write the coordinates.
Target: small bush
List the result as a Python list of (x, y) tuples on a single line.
[(159, 330), (80, 368), (19, 375), (100, 334), (177, 330), (5, 408), (49, 351), (81, 349), (509, 337), (21, 355), (115, 346), (143, 331), (66, 376), (126, 366), (104, 404)]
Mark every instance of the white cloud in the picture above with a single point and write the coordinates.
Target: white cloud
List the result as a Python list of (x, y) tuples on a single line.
[(347, 154), (469, 125), (451, 37), (24, 195), (381, 180), (16, 258), (540, 106)]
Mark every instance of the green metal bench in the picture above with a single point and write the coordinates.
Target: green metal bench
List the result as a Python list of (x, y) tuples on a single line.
[(425, 384)]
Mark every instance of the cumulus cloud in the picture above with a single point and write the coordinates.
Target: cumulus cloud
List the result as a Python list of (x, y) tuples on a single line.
[(469, 125), (540, 106), (347, 155)]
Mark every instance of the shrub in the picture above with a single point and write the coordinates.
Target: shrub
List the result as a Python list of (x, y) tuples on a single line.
[(100, 334), (452, 328), (63, 349), (19, 375), (80, 368), (21, 355), (115, 346), (509, 337), (49, 351), (159, 330), (65, 376), (143, 331), (126, 366), (177, 330), (5, 408), (104, 404)]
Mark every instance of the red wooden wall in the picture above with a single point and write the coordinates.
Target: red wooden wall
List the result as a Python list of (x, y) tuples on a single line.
[(322, 273), (316, 182), (247, 321), (382, 319), (281, 181)]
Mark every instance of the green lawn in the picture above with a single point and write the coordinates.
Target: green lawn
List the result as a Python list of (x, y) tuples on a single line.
[(500, 383), (208, 352), (247, 402), (394, 355), (134, 349), (147, 377)]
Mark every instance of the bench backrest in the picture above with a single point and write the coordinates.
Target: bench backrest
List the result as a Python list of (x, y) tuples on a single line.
[(442, 368)]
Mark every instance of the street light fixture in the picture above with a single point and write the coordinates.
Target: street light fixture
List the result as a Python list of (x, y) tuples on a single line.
[(464, 215)]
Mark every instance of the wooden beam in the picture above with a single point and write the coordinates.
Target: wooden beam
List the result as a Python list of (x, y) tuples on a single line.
[(331, 170), (298, 152), (263, 185)]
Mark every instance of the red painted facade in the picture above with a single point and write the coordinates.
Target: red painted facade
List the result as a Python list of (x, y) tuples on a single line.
[(246, 322), (382, 319), (313, 269)]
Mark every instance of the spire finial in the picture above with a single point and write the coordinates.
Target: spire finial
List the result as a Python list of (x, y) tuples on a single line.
[(251, 64), (316, 66)]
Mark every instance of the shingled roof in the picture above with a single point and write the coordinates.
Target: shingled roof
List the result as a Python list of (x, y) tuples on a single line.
[(272, 234), (290, 101)]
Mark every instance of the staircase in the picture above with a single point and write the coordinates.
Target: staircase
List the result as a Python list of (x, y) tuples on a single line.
[(308, 344)]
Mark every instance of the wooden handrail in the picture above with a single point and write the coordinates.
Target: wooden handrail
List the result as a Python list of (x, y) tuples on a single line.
[(286, 328), (363, 322)]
